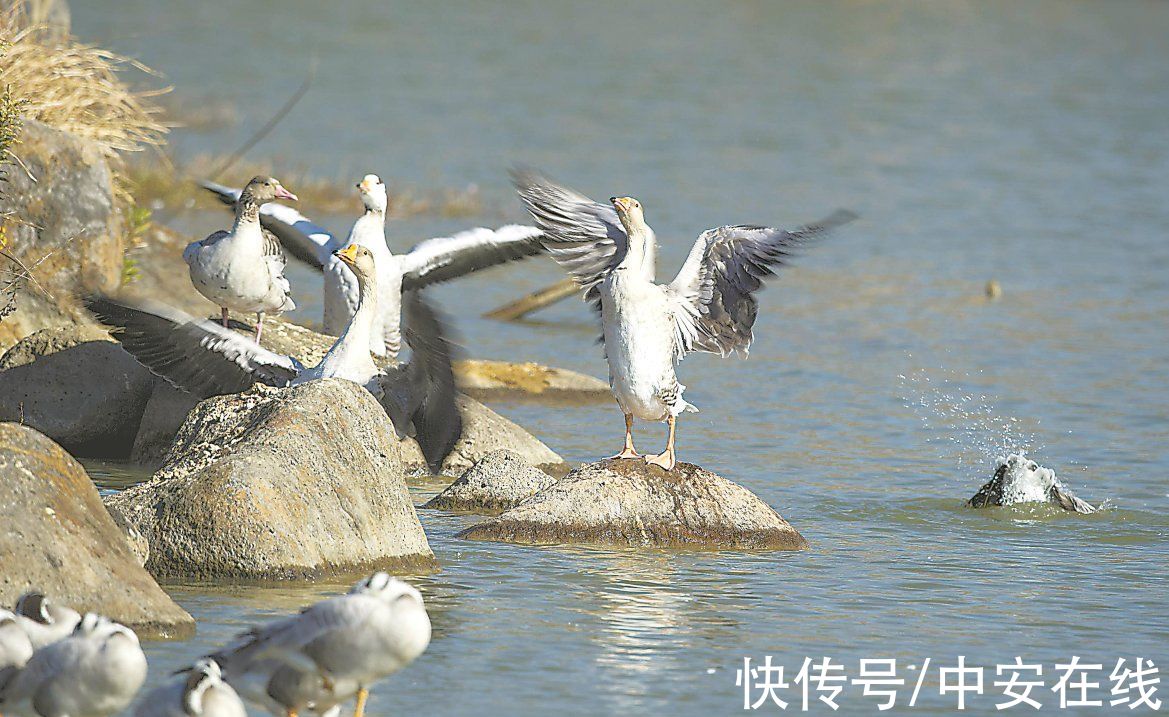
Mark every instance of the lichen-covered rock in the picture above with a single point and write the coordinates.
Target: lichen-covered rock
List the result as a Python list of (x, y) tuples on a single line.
[(487, 380), (630, 503), (65, 222), (77, 387), (56, 537), (270, 483), (498, 481), (1021, 480)]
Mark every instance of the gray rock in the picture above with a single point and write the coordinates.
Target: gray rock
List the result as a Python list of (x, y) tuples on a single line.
[(300, 482), (67, 215), (498, 481), (77, 387), (629, 503), (56, 537), (1020, 480)]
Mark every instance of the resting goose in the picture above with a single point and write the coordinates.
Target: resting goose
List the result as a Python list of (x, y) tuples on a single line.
[(92, 673), (649, 327), (333, 650), (15, 647), (434, 260), (201, 692), (43, 621), (243, 269), (204, 359)]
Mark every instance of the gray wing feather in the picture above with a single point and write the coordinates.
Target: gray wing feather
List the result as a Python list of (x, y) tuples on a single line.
[(194, 355), (428, 397), (713, 295), (583, 236)]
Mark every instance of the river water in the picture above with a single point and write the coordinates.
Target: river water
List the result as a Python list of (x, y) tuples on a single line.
[(1018, 142)]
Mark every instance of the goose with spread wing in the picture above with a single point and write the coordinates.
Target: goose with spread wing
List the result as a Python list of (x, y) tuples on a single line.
[(200, 357), (434, 260), (243, 269), (648, 327)]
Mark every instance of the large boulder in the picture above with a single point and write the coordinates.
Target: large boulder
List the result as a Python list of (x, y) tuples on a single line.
[(76, 386), (56, 537), (65, 222), (300, 482), (484, 430), (498, 481), (630, 503)]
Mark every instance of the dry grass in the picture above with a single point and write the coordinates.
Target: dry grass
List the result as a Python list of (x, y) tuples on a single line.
[(77, 88)]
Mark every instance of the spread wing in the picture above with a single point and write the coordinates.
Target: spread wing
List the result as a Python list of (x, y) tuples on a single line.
[(583, 236), (446, 258), (712, 297), (428, 396), (194, 355), (309, 242)]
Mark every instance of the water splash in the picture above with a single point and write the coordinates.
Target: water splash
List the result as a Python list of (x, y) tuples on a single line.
[(963, 424)]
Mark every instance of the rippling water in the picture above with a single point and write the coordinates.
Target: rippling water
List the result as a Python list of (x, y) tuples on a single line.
[(1022, 142)]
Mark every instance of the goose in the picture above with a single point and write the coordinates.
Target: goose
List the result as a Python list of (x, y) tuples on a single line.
[(649, 327), (332, 651), (243, 269), (15, 647), (200, 357), (43, 621), (434, 260), (94, 672), (202, 692)]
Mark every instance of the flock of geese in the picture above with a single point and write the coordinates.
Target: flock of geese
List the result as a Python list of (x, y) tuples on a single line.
[(55, 662), (609, 249)]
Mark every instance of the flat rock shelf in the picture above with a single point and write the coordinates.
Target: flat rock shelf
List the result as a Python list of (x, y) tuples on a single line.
[(630, 503)]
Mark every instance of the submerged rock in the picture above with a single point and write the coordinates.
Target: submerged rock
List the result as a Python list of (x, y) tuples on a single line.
[(77, 387), (627, 502), (57, 538), (1021, 480), (498, 481), (487, 380), (299, 482)]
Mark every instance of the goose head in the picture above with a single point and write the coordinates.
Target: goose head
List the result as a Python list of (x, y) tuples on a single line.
[(203, 675), (262, 190), (100, 627), (373, 193), (629, 212), (359, 260), (36, 607)]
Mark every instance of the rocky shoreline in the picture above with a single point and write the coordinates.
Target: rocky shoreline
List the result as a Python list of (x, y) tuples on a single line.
[(271, 484)]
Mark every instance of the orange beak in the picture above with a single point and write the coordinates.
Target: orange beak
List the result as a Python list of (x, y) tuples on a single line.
[(348, 254)]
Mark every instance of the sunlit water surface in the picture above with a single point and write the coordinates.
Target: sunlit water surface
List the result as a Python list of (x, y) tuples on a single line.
[(1022, 142)]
